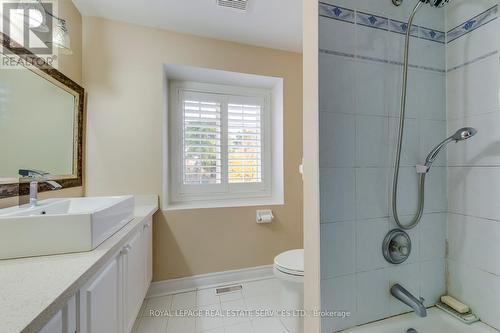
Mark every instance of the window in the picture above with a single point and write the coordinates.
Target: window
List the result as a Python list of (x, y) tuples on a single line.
[(220, 143)]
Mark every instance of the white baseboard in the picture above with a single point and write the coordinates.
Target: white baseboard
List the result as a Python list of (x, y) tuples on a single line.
[(168, 287)]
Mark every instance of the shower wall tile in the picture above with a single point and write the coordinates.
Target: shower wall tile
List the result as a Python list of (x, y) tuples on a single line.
[(371, 193), (436, 190), (339, 294), (369, 237), (372, 147), (410, 152), (473, 89), (371, 88), (338, 244), (429, 91), (433, 237), (474, 241), (395, 78), (337, 92), (429, 54), (337, 142), (372, 296), (336, 36), (372, 43), (432, 280), (480, 289), (396, 45), (337, 192), (474, 191)]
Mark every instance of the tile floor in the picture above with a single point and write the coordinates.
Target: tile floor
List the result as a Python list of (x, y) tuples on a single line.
[(256, 295)]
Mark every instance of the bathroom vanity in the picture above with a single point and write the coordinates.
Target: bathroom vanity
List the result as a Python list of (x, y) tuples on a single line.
[(88, 292)]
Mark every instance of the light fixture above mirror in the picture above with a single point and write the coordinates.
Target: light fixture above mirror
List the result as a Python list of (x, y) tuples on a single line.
[(37, 17)]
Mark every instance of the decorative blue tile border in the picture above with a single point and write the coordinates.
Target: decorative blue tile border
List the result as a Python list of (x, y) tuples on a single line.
[(401, 28), (372, 21), (337, 13), (387, 24), (432, 35), (473, 23), (378, 22)]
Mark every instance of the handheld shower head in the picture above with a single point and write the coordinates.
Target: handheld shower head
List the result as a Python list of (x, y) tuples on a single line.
[(464, 134), (460, 135)]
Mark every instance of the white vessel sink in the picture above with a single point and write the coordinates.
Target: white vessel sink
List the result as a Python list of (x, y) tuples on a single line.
[(58, 226)]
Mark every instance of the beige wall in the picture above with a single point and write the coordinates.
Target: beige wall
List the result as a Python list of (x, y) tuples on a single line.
[(123, 76), (71, 66)]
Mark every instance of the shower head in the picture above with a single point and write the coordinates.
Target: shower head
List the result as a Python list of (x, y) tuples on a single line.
[(436, 3), (460, 135), (463, 134)]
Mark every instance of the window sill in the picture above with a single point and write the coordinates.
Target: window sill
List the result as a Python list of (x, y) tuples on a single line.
[(232, 203)]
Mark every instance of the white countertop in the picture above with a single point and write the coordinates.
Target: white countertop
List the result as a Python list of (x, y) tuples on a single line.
[(33, 289)]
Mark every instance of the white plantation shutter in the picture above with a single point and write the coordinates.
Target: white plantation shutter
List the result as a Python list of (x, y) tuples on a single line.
[(201, 142), (244, 143), (221, 144)]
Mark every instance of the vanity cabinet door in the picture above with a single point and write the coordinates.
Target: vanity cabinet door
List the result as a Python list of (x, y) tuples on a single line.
[(64, 321), (148, 243), (100, 307), (69, 314), (134, 277)]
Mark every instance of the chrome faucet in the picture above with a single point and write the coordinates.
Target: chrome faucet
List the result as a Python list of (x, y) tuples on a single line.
[(406, 297), (37, 176)]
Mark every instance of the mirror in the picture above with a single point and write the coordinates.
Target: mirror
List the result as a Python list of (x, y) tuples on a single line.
[(41, 119)]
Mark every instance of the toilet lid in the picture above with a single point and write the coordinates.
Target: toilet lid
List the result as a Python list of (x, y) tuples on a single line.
[(290, 262)]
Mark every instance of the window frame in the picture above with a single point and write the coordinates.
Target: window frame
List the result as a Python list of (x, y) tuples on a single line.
[(226, 192)]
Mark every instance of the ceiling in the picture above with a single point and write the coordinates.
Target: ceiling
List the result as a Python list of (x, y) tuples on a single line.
[(268, 23)]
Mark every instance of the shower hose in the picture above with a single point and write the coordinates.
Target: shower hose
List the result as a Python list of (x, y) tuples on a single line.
[(421, 183)]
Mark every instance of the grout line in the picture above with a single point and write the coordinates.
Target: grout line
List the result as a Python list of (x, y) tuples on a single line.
[(473, 61), (379, 60), (474, 216)]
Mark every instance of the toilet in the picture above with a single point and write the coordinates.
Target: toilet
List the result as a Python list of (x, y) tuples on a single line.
[(289, 270)]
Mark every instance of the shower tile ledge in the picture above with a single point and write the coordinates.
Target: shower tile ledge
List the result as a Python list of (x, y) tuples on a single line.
[(437, 321)]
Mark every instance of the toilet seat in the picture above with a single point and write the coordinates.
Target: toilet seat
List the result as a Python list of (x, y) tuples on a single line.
[(290, 262)]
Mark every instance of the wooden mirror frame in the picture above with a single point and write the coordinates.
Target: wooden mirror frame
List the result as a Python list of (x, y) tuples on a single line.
[(8, 190)]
